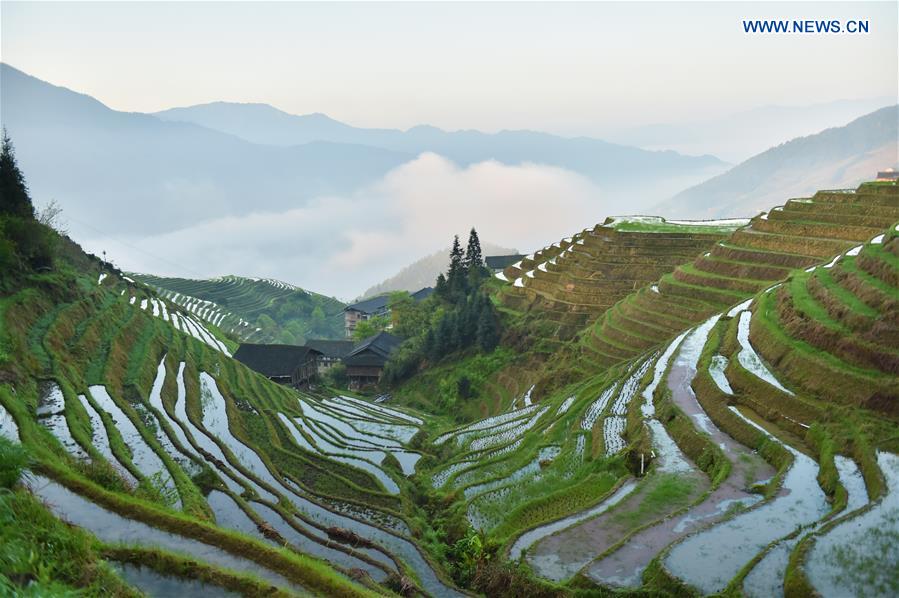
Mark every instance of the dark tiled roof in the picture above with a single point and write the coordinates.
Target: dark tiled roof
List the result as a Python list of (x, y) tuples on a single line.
[(366, 359), (422, 294), (273, 361), (500, 262), (331, 348), (370, 306), (382, 344)]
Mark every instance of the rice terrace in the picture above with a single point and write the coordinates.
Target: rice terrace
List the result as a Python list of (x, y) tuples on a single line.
[(683, 382)]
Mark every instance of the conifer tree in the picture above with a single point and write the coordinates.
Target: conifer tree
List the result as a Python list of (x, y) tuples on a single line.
[(14, 198), (456, 278), (473, 257), (488, 332), (442, 287)]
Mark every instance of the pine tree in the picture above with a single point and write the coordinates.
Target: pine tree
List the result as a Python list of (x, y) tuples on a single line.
[(441, 288), (14, 197), (474, 260), (457, 279), (488, 331)]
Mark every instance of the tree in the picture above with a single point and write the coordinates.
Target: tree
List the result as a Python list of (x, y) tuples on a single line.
[(488, 331), (474, 260), (370, 327), (442, 287), (14, 198), (456, 278)]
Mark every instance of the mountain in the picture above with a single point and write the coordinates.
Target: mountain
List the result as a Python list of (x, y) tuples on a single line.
[(741, 135), (126, 172), (836, 158), (639, 172), (423, 272), (259, 310)]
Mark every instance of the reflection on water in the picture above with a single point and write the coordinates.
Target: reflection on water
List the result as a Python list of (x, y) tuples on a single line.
[(157, 585), (112, 527)]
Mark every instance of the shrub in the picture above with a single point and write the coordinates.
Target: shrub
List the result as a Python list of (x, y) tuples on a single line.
[(13, 461)]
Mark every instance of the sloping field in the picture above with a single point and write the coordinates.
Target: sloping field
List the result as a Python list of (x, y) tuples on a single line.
[(147, 435), (569, 284), (261, 310), (754, 454), (800, 234)]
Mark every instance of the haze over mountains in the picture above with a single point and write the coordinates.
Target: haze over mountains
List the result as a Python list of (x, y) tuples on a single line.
[(741, 135), (840, 157), (228, 188), (423, 272)]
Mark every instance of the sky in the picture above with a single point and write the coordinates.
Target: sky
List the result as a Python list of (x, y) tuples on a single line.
[(546, 66), (565, 68)]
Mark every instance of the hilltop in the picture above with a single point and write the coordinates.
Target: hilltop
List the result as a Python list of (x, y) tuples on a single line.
[(253, 309), (836, 158)]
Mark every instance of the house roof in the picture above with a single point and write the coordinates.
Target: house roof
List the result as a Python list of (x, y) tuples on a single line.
[(500, 262), (422, 294), (331, 348), (273, 361), (376, 304), (369, 306), (382, 344)]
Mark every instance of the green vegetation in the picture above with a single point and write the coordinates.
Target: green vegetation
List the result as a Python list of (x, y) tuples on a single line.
[(255, 310), (461, 317)]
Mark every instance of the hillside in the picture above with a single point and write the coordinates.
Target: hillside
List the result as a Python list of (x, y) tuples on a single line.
[(139, 428), (677, 407), (423, 272), (837, 158), (750, 451), (254, 310)]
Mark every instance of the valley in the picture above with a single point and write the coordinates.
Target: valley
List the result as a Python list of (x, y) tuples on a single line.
[(688, 391)]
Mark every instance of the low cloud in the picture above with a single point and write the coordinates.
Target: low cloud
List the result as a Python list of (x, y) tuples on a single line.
[(340, 245)]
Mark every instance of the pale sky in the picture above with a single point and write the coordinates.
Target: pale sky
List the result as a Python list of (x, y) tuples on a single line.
[(565, 68)]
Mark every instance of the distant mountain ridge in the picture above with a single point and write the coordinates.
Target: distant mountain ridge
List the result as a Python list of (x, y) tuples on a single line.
[(600, 160), (839, 157), (423, 272)]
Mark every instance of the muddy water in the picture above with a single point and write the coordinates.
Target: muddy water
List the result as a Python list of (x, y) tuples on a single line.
[(157, 585), (529, 538), (8, 427), (625, 566), (563, 555), (766, 578), (860, 556), (112, 527), (308, 546), (711, 558), (101, 441)]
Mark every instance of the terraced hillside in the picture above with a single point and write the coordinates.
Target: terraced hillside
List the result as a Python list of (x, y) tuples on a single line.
[(799, 234), (261, 310), (754, 454), (569, 284), (188, 469)]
